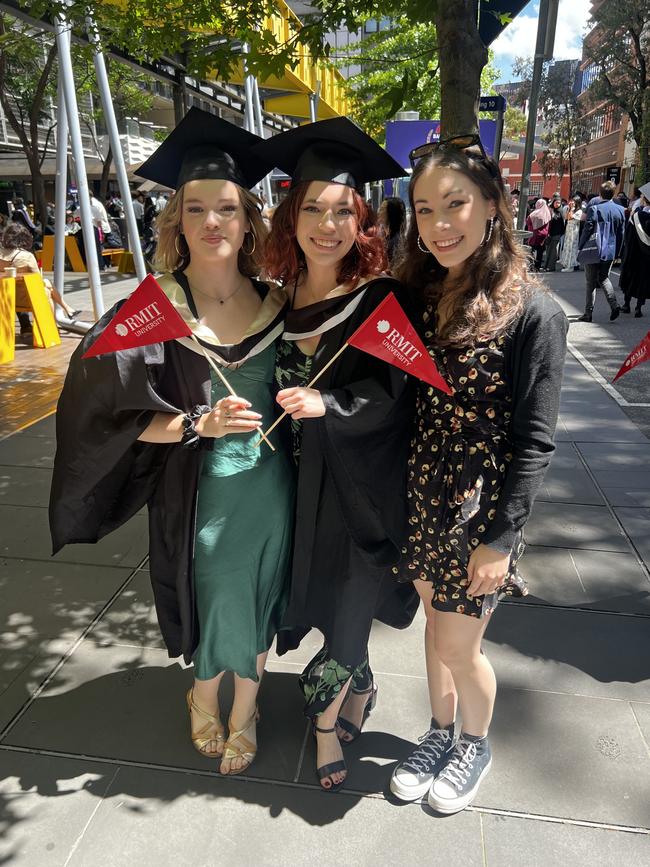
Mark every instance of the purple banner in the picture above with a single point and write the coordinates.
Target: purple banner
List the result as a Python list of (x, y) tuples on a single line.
[(404, 135)]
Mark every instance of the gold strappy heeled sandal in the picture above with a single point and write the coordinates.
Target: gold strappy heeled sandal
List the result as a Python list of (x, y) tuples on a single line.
[(238, 746), (199, 738)]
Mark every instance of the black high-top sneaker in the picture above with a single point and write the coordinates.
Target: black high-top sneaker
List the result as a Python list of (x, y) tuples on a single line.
[(458, 782), (413, 777)]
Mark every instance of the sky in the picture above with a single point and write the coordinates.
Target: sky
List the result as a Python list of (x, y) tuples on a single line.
[(518, 39)]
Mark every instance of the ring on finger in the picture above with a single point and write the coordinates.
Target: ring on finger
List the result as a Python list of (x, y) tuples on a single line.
[(227, 413)]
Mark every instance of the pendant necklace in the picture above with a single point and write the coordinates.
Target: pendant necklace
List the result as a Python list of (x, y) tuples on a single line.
[(220, 300)]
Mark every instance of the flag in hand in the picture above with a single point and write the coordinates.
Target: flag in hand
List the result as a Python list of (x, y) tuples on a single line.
[(638, 355), (148, 316), (388, 334)]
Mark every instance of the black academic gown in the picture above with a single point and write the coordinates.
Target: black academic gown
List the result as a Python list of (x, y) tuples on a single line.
[(634, 279), (351, 511), (103, 475)]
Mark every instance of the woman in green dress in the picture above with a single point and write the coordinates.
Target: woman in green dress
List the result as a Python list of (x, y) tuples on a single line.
[(221, 509)]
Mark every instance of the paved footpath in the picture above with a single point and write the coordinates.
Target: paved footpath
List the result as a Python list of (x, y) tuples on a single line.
[(96, 766)]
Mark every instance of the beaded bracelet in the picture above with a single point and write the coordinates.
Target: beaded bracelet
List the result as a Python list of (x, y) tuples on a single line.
[(191, 438)]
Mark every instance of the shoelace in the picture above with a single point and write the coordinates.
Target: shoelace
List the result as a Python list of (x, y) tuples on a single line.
[(457, 769), (434, 743)]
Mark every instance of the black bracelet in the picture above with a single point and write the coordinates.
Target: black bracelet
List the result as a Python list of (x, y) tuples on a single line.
[(191, 438)]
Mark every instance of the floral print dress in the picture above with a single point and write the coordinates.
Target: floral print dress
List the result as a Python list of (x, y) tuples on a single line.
[(459, 459)]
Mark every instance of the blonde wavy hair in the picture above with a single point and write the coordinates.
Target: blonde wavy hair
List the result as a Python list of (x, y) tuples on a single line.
[(171, 240)]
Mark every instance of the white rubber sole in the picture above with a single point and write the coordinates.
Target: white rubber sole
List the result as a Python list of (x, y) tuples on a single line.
[(409, 793), (455, 806)]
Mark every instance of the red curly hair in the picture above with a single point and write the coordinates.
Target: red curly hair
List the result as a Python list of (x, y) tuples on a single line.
[(284, 259)]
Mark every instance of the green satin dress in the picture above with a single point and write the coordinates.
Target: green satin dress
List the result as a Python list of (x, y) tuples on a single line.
[(244, 532)]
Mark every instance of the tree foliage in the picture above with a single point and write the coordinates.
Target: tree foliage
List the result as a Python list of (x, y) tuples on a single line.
[(565, 125), (619, 49)]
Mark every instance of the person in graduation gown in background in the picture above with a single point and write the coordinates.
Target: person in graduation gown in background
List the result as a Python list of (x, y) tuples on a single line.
[(154, 425), (350, 434)]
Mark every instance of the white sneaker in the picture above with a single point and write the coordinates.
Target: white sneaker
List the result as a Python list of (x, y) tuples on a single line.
[(413, 777), (567, 271)]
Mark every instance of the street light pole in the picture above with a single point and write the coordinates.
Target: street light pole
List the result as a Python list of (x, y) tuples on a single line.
[(543, 51), (60, 187)]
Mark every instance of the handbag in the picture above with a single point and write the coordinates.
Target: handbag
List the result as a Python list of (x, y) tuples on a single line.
[(590, 253)]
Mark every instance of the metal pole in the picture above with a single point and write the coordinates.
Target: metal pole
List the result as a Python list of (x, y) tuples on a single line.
[(498, 136), (249, 118), (313, 103), (266, 180), (70, 98), (543, 51), (116, 148), (61, 186)]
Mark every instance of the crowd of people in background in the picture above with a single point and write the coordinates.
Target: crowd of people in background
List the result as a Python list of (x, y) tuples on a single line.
[(558, 228)]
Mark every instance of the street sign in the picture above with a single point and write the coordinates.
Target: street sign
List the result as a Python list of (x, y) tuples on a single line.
[(492, 103)]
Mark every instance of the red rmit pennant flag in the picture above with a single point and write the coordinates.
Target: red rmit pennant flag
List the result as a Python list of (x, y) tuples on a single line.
[(147, 316), (638, 355), (388, 334)]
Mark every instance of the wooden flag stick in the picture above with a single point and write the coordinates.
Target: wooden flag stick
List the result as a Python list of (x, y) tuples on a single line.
[(213, 364), (309, 385)]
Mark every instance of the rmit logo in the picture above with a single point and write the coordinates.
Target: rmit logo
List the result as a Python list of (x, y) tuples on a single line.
[(396, 339), (142, 317)]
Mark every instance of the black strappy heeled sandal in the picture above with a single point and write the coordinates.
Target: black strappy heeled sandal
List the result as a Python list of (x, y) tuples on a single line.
[(333, 767), (349, 727)]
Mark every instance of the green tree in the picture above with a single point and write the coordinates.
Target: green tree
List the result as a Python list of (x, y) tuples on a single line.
[(27, 91), (204, 32), (399, 71), (619, 50), (565, 125), (514, 123)]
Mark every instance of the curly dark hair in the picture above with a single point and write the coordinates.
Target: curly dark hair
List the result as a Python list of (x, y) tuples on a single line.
[(16, 236), (488, 297), (284, 260)]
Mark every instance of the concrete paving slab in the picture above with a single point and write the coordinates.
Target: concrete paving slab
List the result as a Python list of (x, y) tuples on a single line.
[(625, 456), (637, 526), (46, 607), (45, 427), (560, 650), (573, 577), (567, 525), (567, 756), (531, 843), (569, 486), (621, 478), (145, 718), (26, 535), (132, 618), (630, 497), (47, 803), (25, 486), (22, 450), (642, 715), (244, 823)]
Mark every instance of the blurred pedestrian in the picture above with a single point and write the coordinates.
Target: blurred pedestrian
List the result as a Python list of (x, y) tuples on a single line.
[(138, 212), (537, 222), (607, 221), (569, 257), (391, 217), (556, 229), (21, 215), (634, 280)]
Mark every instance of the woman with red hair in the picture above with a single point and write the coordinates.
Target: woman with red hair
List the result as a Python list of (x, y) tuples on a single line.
[(350, 435)]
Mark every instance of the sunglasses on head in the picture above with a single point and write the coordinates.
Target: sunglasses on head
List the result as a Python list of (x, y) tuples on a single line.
[(470, 142)]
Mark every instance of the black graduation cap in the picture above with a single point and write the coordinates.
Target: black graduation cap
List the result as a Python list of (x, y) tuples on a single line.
[(333, 150), (204, 146)]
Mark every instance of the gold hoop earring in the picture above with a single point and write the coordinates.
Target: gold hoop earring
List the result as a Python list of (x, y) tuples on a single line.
[(180, 254), (252, 250), (421, 248)]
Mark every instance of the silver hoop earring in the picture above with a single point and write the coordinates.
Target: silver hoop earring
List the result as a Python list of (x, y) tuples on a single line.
[(180, 254), (421, 248), (252, 250), (489, 235)]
